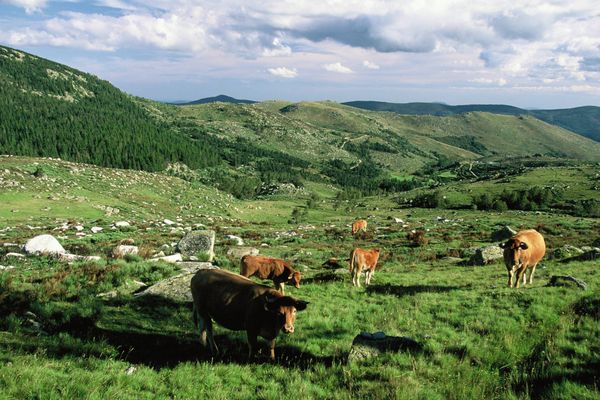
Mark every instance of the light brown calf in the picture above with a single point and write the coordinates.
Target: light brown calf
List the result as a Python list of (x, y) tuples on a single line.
[(279, 271), (363, 259), (359, 225)]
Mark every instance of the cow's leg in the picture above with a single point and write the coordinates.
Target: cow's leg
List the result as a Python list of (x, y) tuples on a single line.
[(252, 343), (510, 277), (368, 278), (201, 326), (358, 271), (531, 273), (214, 350), (520, 274), (282, 288), (272, 349)]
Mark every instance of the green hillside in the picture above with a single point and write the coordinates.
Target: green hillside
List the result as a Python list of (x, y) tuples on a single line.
[(48, 109), (582, 120)]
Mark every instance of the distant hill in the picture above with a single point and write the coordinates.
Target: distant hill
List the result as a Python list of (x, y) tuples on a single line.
[(582, 120), (48, 109), (220, 98)]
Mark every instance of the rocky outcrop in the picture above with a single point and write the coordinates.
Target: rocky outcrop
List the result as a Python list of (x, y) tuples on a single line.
[(486, 255), (44, 245), (562, 280), (504, 233), (177, 288), (196, 242), (239, 252), (367, 345), (122, 250)]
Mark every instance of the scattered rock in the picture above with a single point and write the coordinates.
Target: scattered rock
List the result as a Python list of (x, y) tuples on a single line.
[(504, 233), (130, 370), (43, 244), (239, 241), (120, 224), (74, 257), (96, 229), (121, 250), (6, 267), (198, 242), (168, 222), (239, 252), (367, 345), (177, 288), (565, 251), (486, 255), (566, 280), (174, 258), (15, 255)]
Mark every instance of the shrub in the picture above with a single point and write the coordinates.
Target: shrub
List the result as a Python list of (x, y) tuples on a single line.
[(417, 238)]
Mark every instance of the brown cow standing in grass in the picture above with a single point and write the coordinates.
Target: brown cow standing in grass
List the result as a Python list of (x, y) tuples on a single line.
[(363, 259), (359, 225), (523, 250), (279, 271), (239, 304)]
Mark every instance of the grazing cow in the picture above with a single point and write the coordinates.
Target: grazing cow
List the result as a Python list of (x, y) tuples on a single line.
[(239, 304), (359, 225), (279, 271), (359, 259), (523, 250)]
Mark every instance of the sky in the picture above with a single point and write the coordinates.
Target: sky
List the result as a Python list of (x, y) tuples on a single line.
[(526, 53)]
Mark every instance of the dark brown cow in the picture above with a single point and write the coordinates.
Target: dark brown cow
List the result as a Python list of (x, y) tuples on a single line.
[(359, 259), (239, 304), (279, 271), (522, 251), (359, 225)]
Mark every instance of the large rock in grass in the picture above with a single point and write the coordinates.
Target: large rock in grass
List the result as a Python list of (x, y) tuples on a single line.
[(367, 345), (504, 233), (122, 250), (177, 288), (562, 280), (198, 242), (486, 255), (241, 251), (44, 245)]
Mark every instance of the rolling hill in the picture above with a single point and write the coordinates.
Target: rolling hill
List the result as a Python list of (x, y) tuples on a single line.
[(220, 98), (582, 120)]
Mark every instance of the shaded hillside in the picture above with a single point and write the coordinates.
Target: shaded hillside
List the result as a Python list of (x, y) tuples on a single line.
[(220, 98), (48, 109), (582, 120)]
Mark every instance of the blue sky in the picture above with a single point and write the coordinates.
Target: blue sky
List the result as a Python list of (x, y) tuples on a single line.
[(534, 53)]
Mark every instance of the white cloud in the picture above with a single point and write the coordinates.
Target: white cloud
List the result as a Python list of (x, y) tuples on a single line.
[(370, 65), (337, 67), (283, 72), (30, 6)]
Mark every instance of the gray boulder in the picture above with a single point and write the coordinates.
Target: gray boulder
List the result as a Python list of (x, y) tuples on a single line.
[(198, 242), (123, 249), (239, 252), (367, 345), (565, 251), (177, 288), (486, 255), (562, 280), (504, 233), (43, 244)]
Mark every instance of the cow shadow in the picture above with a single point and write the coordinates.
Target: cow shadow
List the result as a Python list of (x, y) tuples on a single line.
[(159, 350), (402, 291)]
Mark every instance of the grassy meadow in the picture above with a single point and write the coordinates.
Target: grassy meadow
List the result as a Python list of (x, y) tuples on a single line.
[(61, 336)]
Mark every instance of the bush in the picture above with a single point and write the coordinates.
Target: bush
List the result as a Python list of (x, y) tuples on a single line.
[(431, 200)]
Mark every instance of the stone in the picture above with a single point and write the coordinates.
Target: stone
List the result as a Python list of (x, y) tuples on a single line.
[(198, 242), (74, 257), (239, 252), (15, 255), (487, 255), (43, 244), (168, 222), (96, 229), (6, 267), (174, 258), (504, 233), (239, 241), (565, 251), (367, 345), (120, 224), (121, 250), (177, 288), (562, 280)]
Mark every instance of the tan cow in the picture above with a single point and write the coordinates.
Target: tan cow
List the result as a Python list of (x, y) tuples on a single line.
[(279, 271), (359, 225), (363, 259), (239, 304), (523, 250)]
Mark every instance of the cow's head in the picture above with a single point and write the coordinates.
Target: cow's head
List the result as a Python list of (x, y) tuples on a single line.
[(284, 309), (295, 279), (513, 250)]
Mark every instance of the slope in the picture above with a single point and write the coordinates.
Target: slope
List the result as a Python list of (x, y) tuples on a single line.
[(48, 109)]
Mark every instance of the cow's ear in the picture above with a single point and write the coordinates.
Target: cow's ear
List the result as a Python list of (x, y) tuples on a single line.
[(523, 246), (271, 303), (301, 305)]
